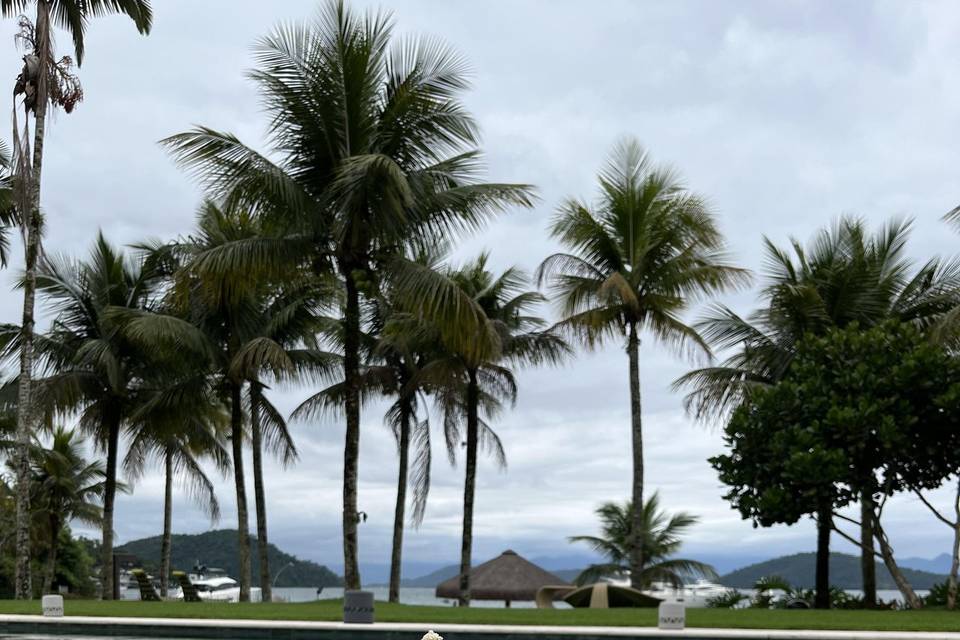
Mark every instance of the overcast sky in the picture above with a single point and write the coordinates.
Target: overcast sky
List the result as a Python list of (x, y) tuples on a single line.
[(783, 114)]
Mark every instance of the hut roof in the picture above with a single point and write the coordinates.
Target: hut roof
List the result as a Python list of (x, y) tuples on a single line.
[(506, 577)]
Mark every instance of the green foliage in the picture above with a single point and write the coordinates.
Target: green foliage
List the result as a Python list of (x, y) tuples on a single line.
[(220, 549), (845, 275), (75, 566), (660, 537), (730, 599), (938, 595), (859, 408)]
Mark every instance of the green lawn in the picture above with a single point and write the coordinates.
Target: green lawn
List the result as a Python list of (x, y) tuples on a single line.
[(931, 620)]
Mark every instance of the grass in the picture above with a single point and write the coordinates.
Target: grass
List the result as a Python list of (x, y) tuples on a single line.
[(927, 620)]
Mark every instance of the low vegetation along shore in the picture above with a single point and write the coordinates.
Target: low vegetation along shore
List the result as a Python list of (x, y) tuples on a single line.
[(332, 610)]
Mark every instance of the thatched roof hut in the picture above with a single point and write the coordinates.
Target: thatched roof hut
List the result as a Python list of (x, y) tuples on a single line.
[(507, 577)]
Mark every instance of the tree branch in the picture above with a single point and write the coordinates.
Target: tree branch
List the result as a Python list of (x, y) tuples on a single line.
[(935, 511)]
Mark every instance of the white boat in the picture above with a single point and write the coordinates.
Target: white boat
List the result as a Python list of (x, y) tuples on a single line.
[(215, 585), (694, 595)]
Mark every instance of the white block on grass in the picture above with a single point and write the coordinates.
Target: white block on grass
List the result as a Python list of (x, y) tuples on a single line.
[(672, 615), (52, 606)]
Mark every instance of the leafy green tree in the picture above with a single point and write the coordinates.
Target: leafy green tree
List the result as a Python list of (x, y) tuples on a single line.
[(473, 377), (858, 406), (845, 275), (45, 83), (778, 470), (636, 260), (661, 539), (67, 488), (370, 150)]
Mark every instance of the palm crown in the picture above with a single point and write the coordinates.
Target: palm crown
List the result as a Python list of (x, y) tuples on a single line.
[(73, 15), (845, 275), (639, 256), (660, 536)]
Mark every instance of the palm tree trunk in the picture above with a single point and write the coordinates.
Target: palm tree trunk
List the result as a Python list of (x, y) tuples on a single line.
[(469, 486), (112, 418), (22, 579), (243, 526), (167, 521), (258, 492), (955, 563), (398, 513), (821, 599), (351, 449), (636, 424), (50, 573), (868, 563)]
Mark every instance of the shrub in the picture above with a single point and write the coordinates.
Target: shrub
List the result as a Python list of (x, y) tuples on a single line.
[(728, 600)]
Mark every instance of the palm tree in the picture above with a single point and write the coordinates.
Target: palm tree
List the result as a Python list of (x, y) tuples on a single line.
[(397, 345), (8, 210), (406, 347), (45, 83), (184, 427), (373, 150), (66, 487), (636, 261), (660, 535), (845, 275), (473, 375), (268, 431), (247, 330), (94, 369)]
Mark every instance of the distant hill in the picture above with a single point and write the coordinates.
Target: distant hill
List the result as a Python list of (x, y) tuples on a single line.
[(940, 564), (433, 578), (799, 570), (219, 549)]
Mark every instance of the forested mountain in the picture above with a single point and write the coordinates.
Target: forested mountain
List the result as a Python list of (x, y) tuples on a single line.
[(219, 549), (798, 570)]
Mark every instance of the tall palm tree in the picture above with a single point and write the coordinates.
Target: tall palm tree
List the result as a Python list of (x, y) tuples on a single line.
[(66, 487), (373, 150), (397, 345), (46, 82), (405, 347), (660, 536), (473, 376), (268, 431), (94, 369), (637, 259), (185, 427), (248, 330), (845, 275)]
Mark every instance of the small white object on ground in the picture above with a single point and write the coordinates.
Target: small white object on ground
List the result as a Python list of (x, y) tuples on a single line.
[(52, 606), (431, 635), (672, 615)]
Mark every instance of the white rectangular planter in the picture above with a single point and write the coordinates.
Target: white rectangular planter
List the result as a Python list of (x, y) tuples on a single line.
[(52, 606), (672, 615)]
